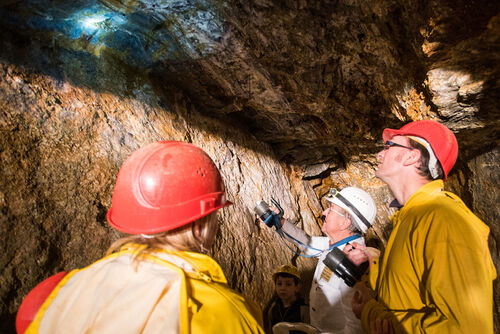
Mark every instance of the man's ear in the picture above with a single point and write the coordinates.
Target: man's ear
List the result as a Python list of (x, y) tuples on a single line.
[(197, 230), (346, 222), (412, 157)]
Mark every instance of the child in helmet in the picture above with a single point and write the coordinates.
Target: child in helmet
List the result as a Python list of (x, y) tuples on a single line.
[(287, 305), (158, 279)]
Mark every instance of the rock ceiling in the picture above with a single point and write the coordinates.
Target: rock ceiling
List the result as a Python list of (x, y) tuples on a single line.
[(317, 80)]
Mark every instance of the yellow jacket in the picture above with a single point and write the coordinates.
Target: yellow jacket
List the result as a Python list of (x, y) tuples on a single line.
[(436, 275), (170, 292)]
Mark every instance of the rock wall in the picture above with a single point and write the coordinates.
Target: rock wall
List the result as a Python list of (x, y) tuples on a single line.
[(482, 177), (61, 148)]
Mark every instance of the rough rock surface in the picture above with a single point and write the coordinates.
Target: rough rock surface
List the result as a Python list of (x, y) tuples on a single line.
[(289, 99), (482, 186), (59, 163)]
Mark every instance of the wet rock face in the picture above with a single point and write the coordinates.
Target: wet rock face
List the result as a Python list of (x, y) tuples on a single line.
[(288, 99)]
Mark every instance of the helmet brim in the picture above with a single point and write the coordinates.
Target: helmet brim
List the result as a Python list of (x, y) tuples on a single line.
[(154, 225), (389, 133)]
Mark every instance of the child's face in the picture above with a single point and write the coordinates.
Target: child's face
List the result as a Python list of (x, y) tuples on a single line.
[(286, 289)]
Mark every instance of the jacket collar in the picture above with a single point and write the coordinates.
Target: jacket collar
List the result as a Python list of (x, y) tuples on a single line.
[(195, 265), (428, 189), (203, 266)]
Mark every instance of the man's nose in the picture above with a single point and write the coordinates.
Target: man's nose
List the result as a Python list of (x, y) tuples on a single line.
[(380, 154)]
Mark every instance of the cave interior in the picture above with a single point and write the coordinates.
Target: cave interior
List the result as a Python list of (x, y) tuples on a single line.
[(289, 98)]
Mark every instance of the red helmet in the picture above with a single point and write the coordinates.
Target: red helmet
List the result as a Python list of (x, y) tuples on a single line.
[(165, 185), (442, 140)]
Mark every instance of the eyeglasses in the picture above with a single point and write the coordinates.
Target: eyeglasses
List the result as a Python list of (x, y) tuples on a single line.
[(388, 144), (340, 214)]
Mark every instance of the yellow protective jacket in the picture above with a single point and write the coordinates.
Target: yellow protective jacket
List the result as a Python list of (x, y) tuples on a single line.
[(170, 292), (436, 275)]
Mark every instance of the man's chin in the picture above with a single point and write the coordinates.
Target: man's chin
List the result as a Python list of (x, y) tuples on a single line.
[(380, 176)]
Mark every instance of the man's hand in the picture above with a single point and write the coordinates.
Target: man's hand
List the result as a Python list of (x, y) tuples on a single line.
[(360, 298), (358, 253), (381, 326), (275, 210)]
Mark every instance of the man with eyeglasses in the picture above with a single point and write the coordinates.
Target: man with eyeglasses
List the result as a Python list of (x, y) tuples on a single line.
[(436, 274), (348, 215)]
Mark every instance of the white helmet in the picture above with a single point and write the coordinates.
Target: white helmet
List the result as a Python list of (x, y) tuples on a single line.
[(358, 203)]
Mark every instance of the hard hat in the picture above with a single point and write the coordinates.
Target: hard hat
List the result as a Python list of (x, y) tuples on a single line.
[(165, 185), (34, 300), (358, 203), (287, 269), (441, 139)]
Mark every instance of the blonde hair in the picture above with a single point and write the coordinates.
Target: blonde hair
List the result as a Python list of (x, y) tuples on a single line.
[(180, 239)]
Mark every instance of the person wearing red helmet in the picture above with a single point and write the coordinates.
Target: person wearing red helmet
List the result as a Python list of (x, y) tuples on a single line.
[(158, 279), (436, 274)]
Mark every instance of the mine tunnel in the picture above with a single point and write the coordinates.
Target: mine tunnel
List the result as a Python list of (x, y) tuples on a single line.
[(289, 99)]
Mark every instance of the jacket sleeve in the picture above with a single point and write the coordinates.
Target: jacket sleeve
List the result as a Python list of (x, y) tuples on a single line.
[(313, 246), (295, 235), (375, 310)]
